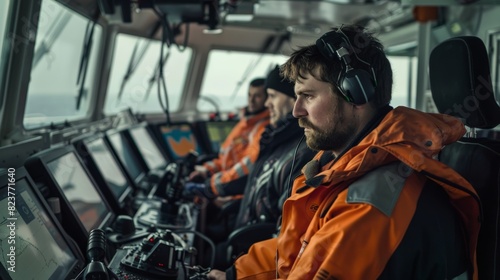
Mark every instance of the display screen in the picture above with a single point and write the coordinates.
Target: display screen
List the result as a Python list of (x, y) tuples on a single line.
[(148, 148), (180, 140), (108, 166), (40, 250), (79, 190), (126, 155), (218, 132)]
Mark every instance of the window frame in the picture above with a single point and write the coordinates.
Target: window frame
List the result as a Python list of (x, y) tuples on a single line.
[(91, 83)]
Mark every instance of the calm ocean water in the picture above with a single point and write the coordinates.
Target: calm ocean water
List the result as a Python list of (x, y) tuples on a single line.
[(51, 105), (43, 109)]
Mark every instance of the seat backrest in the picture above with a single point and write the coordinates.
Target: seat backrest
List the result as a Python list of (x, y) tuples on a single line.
[(461, 86)]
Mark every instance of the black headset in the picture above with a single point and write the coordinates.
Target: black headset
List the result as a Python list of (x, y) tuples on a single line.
[(356, 85)]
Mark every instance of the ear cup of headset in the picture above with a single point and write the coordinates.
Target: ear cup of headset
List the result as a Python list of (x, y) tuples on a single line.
[(357, 85)]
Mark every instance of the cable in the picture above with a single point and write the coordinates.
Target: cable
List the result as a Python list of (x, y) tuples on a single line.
[(204, 237), (184, 270), (289, 181), (165, 39), (186, 39)]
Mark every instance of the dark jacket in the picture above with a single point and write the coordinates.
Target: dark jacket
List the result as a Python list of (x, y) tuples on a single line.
[(271, 177)]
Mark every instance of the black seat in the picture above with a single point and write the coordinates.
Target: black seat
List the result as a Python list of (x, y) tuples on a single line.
[(461, 86), (240, 240)]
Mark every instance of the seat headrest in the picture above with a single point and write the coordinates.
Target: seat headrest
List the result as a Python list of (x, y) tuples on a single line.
[(460, 82)]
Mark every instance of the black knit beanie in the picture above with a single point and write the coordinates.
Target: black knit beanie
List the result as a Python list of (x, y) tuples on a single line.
[(277, 82)]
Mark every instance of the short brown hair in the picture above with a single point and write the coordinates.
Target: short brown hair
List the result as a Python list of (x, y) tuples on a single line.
[(368, 48)]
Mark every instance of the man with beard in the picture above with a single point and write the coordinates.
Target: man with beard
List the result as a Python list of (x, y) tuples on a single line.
[(237, 155), (374, 203), (282, 155), (241, 147)]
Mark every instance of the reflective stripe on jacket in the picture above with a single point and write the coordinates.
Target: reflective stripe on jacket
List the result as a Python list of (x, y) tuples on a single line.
[(238, 152)]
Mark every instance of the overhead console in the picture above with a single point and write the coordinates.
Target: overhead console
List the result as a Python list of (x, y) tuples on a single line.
[(180, 11)]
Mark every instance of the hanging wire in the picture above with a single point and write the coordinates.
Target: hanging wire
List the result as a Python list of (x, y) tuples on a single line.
[(167, 39), (134, 61)]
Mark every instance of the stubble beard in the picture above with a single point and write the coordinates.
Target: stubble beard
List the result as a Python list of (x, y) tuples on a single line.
[(335, 137)]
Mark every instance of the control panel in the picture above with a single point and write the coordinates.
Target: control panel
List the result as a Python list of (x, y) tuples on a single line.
[(160, 255)]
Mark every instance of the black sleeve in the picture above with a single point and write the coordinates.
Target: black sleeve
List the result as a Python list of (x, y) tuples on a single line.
[(234, 187), (231, 273)]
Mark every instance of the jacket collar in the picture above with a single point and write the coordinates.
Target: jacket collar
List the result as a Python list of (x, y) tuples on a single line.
[(403, 134)]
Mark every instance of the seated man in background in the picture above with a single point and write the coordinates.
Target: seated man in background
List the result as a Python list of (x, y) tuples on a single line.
[(237, 154), (374, 203), (282, 155), (241, 147)]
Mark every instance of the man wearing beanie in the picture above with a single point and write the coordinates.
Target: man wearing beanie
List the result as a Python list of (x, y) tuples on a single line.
[(281, 157)]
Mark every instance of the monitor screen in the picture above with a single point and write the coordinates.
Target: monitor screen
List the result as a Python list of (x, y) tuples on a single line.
[(218, 132), (79, 190), (108, 166), (40, 250), (180, 140), (150, 152), (126, 155)]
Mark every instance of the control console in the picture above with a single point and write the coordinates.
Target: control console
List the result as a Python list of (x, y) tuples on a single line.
[(158, 213), (161, 255)]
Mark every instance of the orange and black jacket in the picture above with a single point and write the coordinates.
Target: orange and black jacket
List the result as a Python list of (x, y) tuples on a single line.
[(385, 209), (238, 153)]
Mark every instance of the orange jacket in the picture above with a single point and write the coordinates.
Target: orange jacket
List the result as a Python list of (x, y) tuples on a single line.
[(238, 152), (323, 236)]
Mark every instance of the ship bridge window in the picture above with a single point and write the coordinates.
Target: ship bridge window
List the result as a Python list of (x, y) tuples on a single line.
[(494, 53), (225, 88), (404, 75), (54, 93), (4, 16), (140, 90), (225, 83)]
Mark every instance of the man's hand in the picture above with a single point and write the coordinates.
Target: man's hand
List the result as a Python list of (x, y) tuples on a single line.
[(192, 189), (221, 200), (215, 274), (199, 174)]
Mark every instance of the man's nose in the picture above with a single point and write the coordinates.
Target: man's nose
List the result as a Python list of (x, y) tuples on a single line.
[(298, 111)]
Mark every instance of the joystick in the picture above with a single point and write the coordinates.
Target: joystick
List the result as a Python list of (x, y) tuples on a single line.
[(124, 225), (160, 255), (164, 211), (124, 230)]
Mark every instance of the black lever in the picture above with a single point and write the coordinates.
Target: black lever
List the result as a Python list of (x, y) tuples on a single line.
[(96, 253)]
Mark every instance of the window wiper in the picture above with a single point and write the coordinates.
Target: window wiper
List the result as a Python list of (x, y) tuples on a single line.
[(134, 61), (265, 47), (84, 61), (251, 66), (155, 76), (132, 64), (53, 33)]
